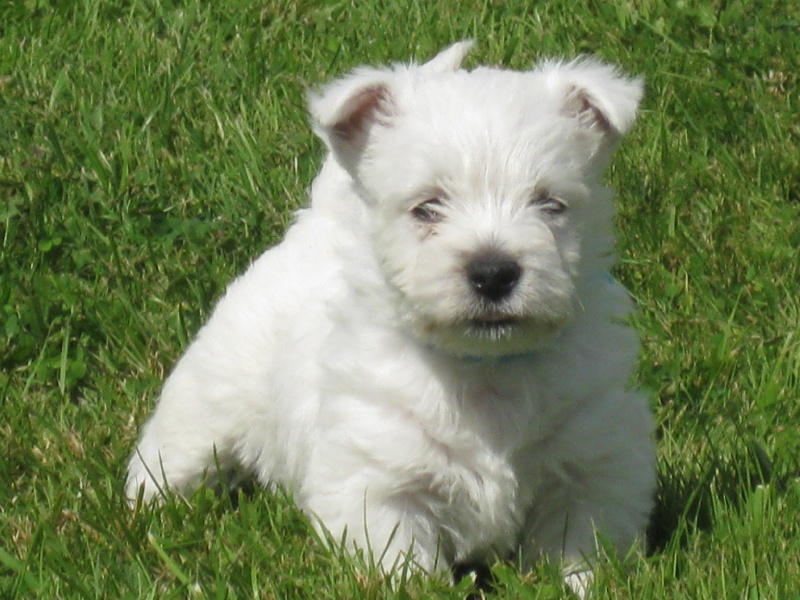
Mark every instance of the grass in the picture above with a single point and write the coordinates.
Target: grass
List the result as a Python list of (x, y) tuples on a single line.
[(150, 149)]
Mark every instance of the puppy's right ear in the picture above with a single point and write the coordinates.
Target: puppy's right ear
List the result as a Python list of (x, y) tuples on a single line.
[(346, 113)]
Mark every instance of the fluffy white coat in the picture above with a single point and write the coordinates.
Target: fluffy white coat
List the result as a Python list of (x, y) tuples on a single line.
[(359, 364)]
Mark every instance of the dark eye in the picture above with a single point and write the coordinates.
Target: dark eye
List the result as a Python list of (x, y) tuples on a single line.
[(428, 211), (549, 204)]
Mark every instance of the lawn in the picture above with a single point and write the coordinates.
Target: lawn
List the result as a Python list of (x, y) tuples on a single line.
[(150, 149)]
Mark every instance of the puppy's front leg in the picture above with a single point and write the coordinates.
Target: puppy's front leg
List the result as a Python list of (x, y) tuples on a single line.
[(595, 489), (390, 530), (563, 529), (579, 515), (364, 485)]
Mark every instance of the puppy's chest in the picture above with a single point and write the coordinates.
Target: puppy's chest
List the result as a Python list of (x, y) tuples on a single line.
[(503, 413), (482, 490), (500, 416)]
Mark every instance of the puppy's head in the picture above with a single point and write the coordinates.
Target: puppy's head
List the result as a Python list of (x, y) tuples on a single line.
[(483, 187)]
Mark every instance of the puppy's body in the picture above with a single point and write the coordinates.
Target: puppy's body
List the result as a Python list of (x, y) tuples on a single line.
[(434, 359)]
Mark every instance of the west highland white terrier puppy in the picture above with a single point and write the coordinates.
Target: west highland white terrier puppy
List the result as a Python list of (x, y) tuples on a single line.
[(435, 360)]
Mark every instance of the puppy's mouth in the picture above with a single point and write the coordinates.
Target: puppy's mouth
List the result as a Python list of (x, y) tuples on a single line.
[(492, 324)]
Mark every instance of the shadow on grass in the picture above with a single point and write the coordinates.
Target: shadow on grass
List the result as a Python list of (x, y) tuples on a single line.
[(687, 502)]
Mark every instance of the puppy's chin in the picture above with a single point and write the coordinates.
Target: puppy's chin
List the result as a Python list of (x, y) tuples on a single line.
[(490, 337)]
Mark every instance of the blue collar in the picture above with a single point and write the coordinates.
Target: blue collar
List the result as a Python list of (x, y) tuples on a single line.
[(500, 360), (504, 359), (609, 278)]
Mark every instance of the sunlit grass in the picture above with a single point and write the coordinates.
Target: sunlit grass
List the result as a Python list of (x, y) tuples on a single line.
[(149, 150)]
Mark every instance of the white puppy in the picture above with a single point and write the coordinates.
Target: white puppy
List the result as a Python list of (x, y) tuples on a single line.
[(435, 359)]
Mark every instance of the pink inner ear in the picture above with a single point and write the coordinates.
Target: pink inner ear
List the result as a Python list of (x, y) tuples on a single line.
[(359, 111), (579, 104)]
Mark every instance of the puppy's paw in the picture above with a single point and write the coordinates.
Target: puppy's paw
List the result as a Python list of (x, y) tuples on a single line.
[(579, 581)]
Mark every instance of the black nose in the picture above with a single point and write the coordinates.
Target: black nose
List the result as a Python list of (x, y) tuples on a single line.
[(493, 276)]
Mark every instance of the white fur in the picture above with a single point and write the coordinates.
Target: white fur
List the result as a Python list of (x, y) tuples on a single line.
[(346, 363)]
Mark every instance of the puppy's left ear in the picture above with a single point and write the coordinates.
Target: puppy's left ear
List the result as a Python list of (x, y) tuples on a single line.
[(596, 94), (347, 111)]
